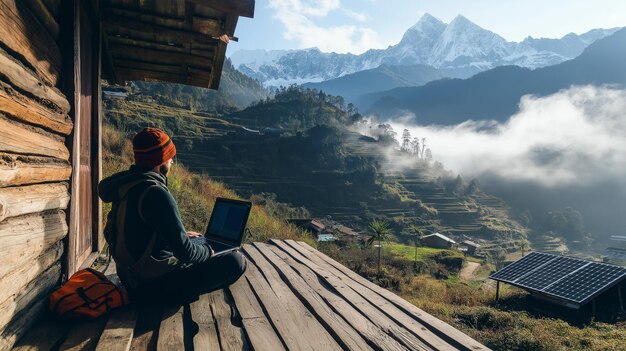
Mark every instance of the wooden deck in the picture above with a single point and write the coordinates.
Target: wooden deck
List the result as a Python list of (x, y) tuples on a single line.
[(292, 297)]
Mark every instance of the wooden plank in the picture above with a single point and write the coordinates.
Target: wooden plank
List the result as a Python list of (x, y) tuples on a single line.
[(16, 281), (381, 320), (28, 110), (126, 74), (146, 66), (23, 34), (29, 236), (118, 332), (258, 328), (120, 51), (46, 334), (334, 323), (354, 317), (231, 336), (238, 7), (206, 338), (22, 139), (171, 332), (40, 10), (84, 336), (292, 325), (208, 27), (435, 325), (35, 290), (24, 170), (147, 329), (118, 25), (220, 54), (158, 46), (20, 324), (18, 201), (26, 81), (398, 316)]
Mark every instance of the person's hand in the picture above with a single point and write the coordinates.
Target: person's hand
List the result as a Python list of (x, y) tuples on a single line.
[(211, 251), (194, 234)]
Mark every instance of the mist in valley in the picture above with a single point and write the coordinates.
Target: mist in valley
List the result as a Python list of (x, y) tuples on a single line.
[(563, 150)]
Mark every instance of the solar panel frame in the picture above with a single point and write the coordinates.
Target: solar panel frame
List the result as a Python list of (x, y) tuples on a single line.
[(544, 276), (589, 271), (533, 272), (513, 272)]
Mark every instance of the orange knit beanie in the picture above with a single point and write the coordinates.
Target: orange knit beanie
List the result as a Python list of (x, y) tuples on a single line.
[(152, 148)]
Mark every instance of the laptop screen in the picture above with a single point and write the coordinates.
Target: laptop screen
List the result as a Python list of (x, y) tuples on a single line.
[(228, 220)]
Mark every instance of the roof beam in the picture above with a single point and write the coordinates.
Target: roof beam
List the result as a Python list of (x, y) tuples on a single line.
[(170, 35), (243, 8), (120, 51), (208, 53), (220, 53), (201, 25)]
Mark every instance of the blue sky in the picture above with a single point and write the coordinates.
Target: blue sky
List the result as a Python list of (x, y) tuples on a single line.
[(357, 25)]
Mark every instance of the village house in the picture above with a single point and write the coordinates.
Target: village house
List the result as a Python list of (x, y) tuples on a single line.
[(438, 241), (471, 248), (310, 225)]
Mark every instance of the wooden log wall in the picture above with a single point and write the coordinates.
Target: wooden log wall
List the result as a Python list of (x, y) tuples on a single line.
[(35, 167)]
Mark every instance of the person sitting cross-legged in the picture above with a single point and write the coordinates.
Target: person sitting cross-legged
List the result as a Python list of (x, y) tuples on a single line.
[(157, 260)]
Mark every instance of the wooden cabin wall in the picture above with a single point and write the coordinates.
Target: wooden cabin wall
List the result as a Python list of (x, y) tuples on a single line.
[(35, 169)]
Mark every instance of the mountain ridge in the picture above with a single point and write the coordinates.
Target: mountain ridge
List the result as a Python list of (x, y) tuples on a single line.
[(489, 94), (461, 47)]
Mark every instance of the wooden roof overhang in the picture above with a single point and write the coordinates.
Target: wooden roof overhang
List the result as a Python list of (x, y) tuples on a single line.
[(169, 40)]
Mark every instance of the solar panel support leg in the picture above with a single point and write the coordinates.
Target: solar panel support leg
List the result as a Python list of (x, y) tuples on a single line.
[(497, 291), (619, 296), (593, 309)]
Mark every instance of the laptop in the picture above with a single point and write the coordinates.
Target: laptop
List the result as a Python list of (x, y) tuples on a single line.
[(227, 225)]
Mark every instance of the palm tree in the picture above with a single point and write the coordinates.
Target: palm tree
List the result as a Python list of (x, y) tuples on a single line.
[(381, 232), (524, 245), (417, 233)]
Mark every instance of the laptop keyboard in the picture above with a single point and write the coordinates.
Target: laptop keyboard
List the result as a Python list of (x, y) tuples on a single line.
[(216, 246)]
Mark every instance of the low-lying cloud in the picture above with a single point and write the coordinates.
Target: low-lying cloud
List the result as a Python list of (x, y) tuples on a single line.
[(574, 137)]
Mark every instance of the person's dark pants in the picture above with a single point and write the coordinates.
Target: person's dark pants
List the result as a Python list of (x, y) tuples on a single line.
[(185, 284)]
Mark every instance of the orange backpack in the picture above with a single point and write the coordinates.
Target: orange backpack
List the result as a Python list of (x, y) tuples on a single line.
[(87, 294)]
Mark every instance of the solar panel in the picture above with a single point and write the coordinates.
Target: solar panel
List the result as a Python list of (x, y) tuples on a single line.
[(528, 263), (547, 274), (563, 277), (583, 284)]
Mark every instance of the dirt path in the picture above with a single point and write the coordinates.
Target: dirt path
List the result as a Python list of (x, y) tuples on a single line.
[(467, 272)]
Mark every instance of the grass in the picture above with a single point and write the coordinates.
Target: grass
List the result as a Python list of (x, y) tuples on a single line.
[(470, 307), (408, 252), (517, 322), (474, 259)]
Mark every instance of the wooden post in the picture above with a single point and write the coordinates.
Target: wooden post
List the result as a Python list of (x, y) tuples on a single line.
[(497, 290)]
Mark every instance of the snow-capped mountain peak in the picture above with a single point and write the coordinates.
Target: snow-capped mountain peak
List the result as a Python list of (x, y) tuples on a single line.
[(464, 40), (426, 21)]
